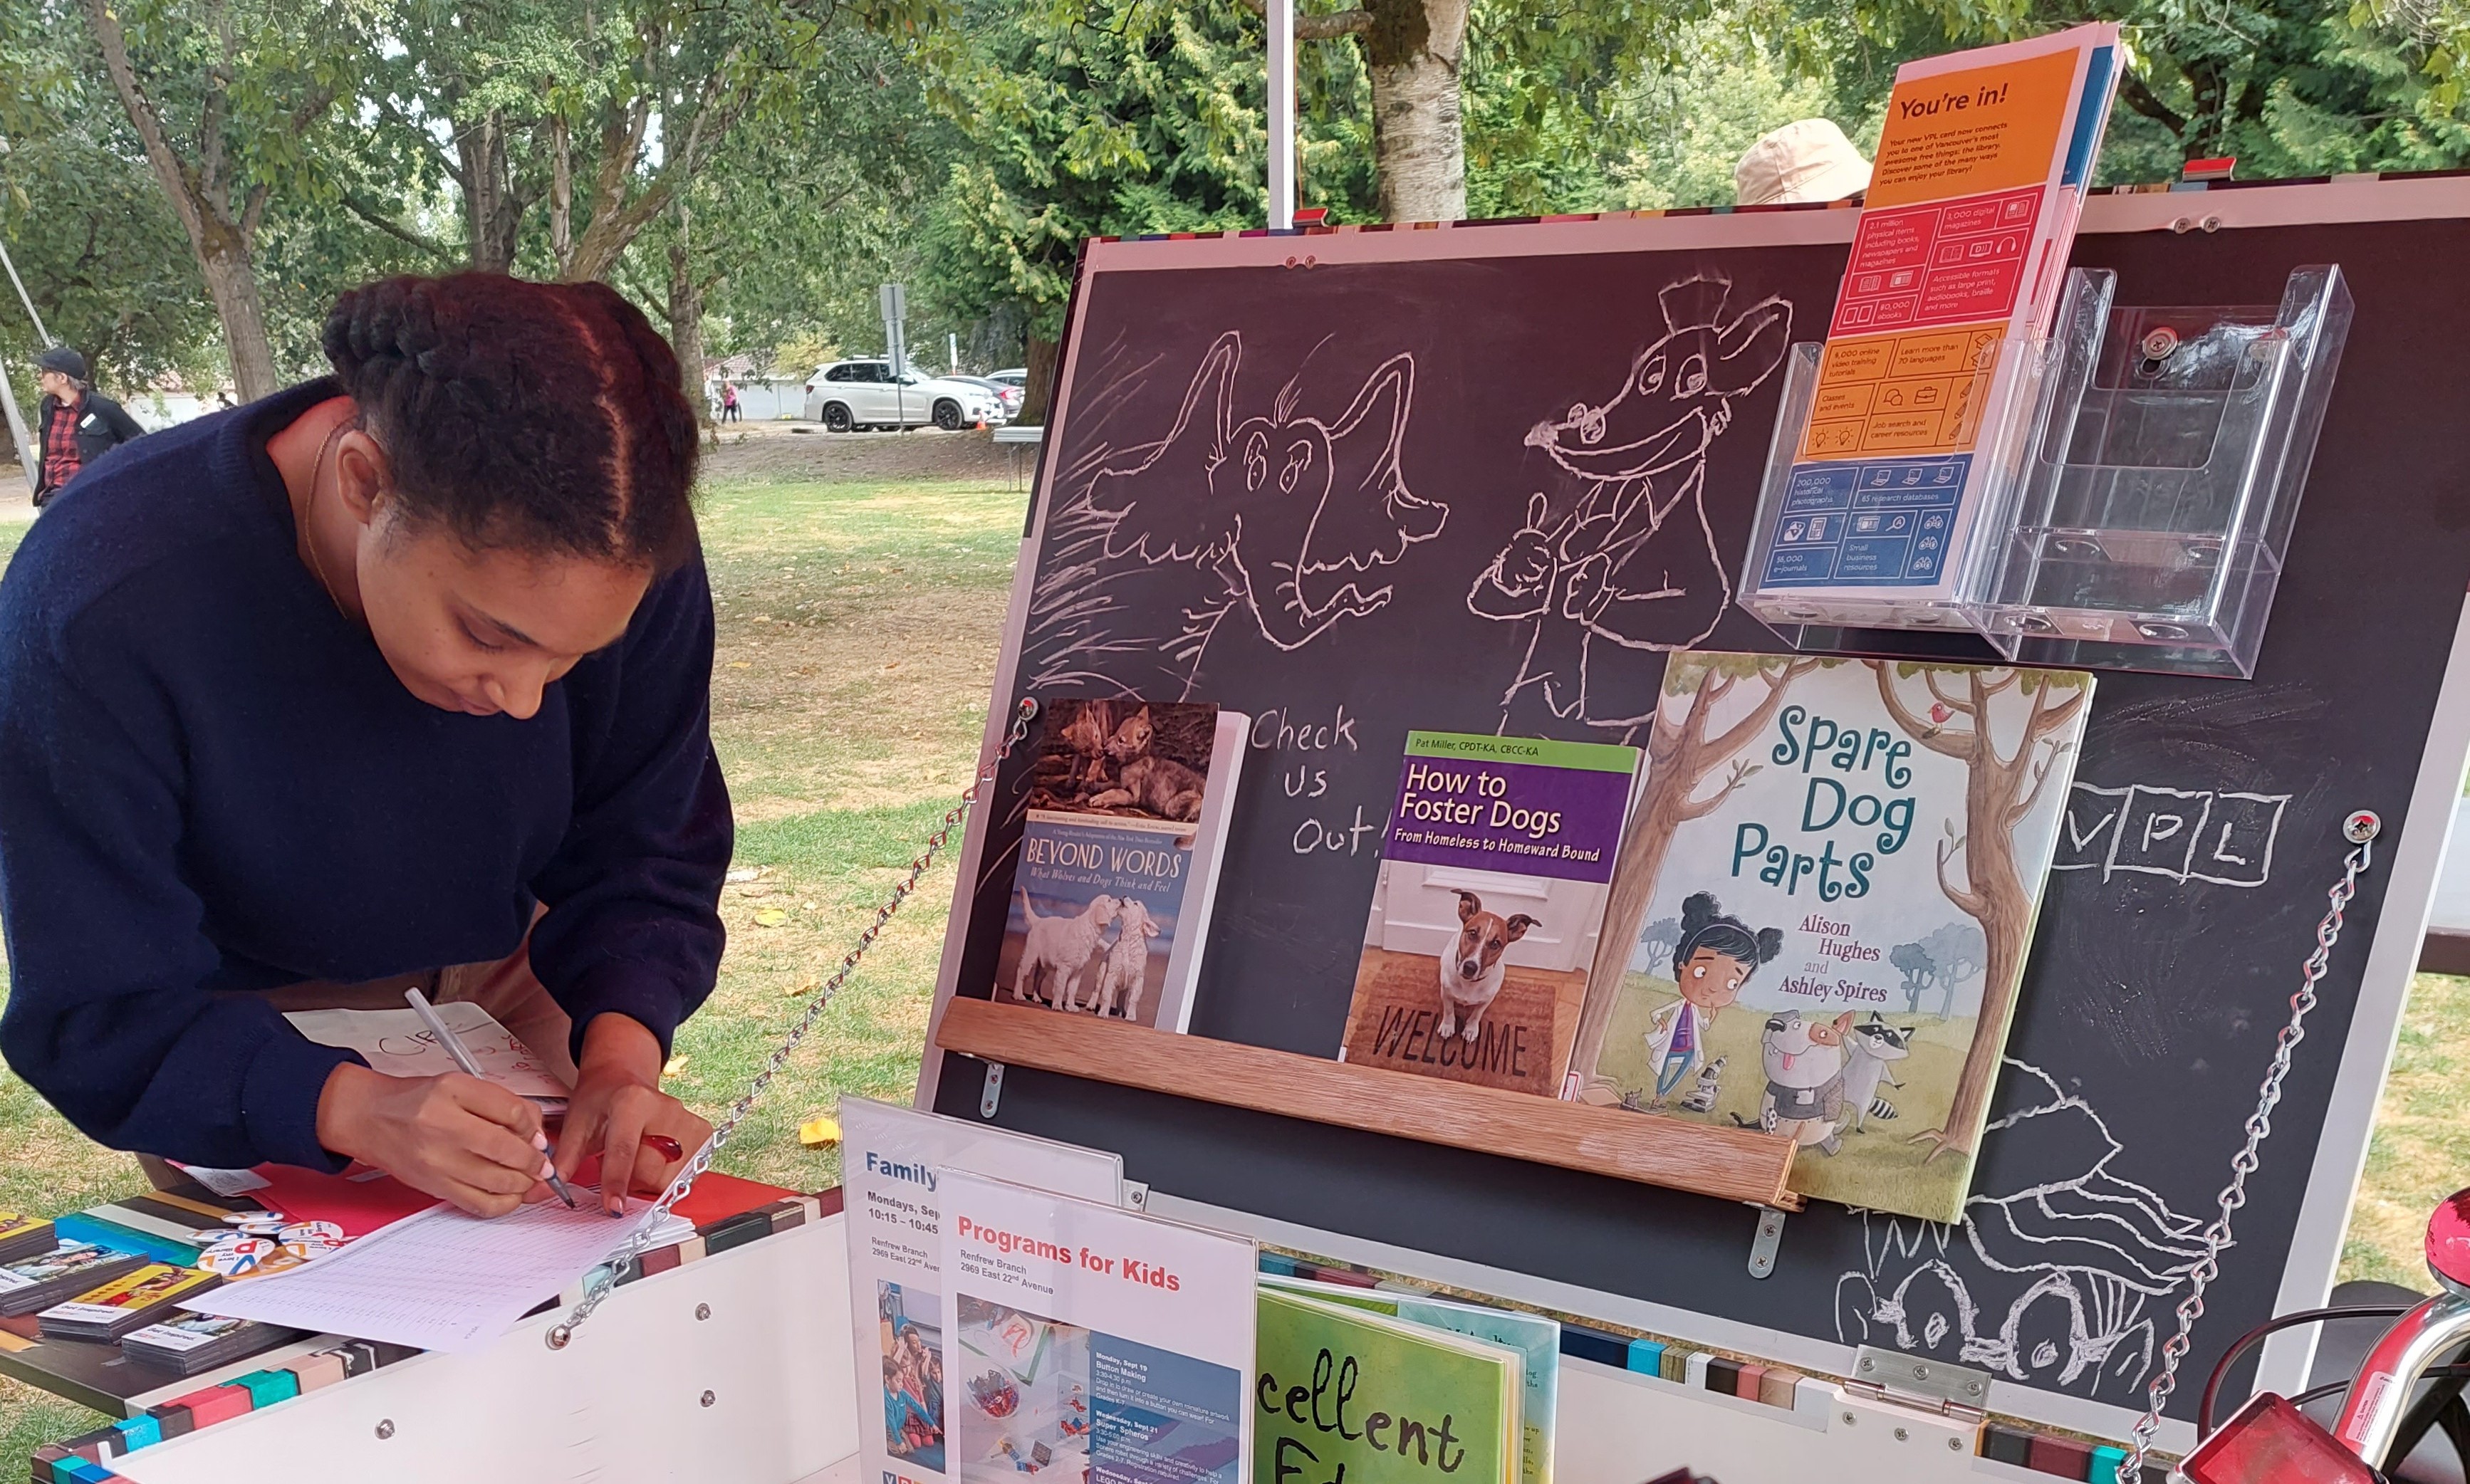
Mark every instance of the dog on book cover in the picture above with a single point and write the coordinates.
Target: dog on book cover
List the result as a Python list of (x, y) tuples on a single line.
[(1472, 976), (1126, 758)]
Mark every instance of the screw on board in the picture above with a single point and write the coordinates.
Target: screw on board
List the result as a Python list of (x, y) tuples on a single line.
[(703, 1311), (709, 1398), (386, 1429), (2362, 827), (1763, 1243)]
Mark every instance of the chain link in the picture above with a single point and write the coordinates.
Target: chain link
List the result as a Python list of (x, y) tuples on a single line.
[(2259, 1127), (604, 1278)]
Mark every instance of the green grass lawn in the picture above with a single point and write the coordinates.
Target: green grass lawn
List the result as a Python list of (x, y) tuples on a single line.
[(858, 626)]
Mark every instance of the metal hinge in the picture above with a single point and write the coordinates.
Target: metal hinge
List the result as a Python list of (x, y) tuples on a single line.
[(991, 1091), (1919, 1382), (1765, 1242)]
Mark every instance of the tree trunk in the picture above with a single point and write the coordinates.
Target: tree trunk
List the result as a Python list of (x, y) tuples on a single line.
[(1997, 793), (685, 319), (561, 195), (1039, 364), (202, 199), (1645, 844), (2006, 917), (492, 211), (1412, 53), (231, 279)]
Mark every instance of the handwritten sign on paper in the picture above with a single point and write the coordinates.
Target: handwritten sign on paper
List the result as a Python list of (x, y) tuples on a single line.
[(397, 1044)]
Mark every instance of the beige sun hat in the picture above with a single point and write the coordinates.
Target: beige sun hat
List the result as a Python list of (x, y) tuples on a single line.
[(1806, 160)]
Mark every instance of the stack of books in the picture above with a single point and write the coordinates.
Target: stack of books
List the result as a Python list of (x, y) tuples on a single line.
[(22, 1237), (129, 1302), (189, 1343), (71, 1268)]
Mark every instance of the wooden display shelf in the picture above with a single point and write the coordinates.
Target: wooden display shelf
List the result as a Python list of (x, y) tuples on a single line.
[(1733, 1164)]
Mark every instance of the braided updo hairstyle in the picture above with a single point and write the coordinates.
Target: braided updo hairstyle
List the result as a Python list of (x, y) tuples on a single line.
[(544, 418)]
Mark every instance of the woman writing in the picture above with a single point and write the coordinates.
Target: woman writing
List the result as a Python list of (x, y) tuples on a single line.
[(397, 678)]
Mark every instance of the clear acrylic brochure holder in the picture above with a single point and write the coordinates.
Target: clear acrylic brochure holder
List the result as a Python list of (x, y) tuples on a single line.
[(2142, 477), (2150, 526)]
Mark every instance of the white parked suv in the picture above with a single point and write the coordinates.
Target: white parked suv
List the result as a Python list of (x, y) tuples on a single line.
[(852, 394)]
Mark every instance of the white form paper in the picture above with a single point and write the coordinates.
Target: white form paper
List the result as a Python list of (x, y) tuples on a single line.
[(440, 1280)]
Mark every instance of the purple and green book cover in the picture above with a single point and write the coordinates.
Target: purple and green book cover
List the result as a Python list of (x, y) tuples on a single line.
[(1496, 868)]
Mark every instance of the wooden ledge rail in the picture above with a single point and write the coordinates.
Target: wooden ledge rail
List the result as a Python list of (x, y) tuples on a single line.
[(1733, 1164)]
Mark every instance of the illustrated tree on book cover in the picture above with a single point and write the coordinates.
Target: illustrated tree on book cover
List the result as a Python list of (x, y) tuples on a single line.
[(1848, 855), (1681, 753), (2002, 793)]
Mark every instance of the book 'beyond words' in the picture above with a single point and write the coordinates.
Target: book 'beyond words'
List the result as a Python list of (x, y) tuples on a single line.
[(1495, 871), (1119, 858), (1840, 862)]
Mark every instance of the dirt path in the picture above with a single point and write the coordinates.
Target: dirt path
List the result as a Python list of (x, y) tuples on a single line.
[(802, 450)]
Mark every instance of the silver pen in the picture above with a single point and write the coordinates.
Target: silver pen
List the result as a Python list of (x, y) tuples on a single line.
[(456, 1049)]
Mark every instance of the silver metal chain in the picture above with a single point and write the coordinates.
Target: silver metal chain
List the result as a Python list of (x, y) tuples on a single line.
[(2361, 829), (604, 1278)]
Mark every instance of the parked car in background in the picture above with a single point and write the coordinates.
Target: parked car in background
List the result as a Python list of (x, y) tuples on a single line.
[(1005, 392), (1016, 376), (849, 394)]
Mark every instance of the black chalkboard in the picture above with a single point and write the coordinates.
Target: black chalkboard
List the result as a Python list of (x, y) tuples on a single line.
[(1375, 417)]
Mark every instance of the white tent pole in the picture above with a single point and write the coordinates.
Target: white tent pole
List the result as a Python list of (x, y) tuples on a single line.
[(1282, 112)]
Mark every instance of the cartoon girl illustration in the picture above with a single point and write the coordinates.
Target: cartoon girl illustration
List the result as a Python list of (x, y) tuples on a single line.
[(1715, 957)]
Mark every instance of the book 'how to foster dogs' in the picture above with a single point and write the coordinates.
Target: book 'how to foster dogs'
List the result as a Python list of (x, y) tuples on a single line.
[(1495, 871)]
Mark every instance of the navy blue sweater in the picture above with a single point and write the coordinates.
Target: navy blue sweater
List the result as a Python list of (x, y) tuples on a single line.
[(210, 781)]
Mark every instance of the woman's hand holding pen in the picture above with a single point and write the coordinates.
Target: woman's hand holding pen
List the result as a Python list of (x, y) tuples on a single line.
[(455, 1137), (620, 1113)]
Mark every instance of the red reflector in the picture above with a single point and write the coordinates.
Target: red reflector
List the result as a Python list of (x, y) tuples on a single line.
[(2271, 1441)]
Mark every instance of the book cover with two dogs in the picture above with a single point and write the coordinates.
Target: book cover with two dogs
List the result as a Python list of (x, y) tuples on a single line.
[(1119, 858)]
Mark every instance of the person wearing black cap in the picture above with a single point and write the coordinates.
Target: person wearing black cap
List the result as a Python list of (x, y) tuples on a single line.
[(79, 423)]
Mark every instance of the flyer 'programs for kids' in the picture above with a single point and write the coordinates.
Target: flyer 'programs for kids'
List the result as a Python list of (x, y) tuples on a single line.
[(892, 1160), (1845, 857), (1962, 243), (1091, 1343)]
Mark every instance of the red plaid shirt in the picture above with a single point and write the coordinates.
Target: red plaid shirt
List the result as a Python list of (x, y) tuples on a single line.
[(60, 458)]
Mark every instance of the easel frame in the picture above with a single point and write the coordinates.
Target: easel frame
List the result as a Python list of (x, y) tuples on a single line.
[(2409, 854)]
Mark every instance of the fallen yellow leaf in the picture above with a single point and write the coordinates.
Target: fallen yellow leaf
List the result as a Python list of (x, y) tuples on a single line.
[(817, 1133), (675, 1064), (770, 916), (801, 989), (739, 664)]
